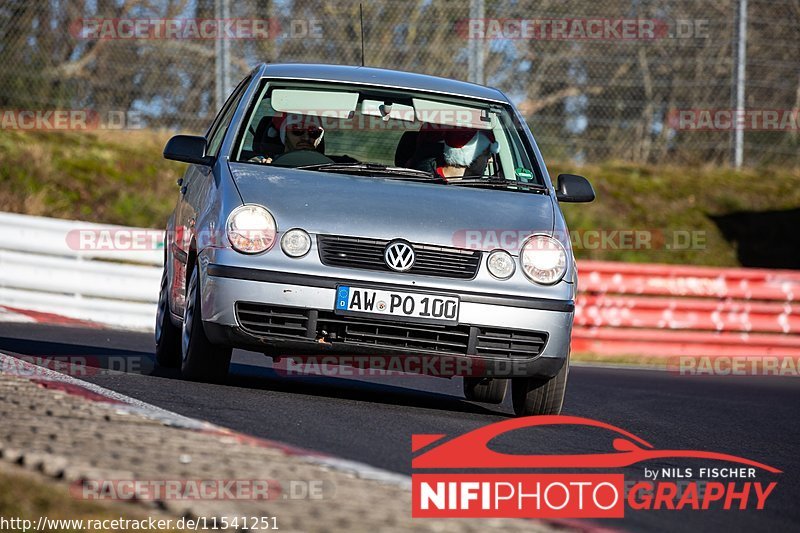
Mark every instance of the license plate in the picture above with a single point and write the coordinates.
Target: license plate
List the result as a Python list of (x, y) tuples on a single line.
[(409, 305)]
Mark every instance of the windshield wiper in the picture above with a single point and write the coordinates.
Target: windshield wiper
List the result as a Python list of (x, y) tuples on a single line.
[(494, 183), (372, 169)]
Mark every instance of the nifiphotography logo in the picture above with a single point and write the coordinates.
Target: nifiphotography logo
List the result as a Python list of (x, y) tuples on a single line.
[(466, 478)]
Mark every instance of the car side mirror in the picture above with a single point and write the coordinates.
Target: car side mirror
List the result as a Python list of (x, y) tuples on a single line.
[(187, 149), (573, 188)]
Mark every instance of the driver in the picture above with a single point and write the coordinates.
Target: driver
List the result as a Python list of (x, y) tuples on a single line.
[(296, 132)]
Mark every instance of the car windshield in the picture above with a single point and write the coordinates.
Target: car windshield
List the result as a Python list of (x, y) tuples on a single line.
[(389, 133)]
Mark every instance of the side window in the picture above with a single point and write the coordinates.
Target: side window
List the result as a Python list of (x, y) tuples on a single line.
[(518, 152), (220, 126), (263, 110)]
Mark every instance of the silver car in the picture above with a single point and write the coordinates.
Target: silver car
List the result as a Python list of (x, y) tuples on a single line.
[(358, 212)]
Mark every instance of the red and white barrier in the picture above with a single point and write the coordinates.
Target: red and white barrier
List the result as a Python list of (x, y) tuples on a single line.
[(671, 310)]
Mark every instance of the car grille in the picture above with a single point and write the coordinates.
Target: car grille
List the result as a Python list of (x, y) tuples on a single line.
[(292, 323), (509, 343), (413, 337), (357, 252), (272, 321)]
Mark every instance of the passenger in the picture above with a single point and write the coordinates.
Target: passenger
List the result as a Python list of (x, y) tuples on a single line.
[(448, 153), (466, 148), (296, 132)]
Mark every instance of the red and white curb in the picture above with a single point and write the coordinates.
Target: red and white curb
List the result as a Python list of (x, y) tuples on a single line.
[(12, 315), (28, 316), (121, 403)]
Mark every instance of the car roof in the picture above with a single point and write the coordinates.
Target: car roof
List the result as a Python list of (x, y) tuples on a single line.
[(379, 77)]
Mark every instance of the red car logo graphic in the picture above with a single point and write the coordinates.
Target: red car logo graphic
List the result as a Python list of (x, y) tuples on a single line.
[(471, 450)]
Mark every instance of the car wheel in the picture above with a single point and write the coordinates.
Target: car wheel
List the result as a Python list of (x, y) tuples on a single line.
[(168, 336), (535, 396), (202, 360), (485, 390)]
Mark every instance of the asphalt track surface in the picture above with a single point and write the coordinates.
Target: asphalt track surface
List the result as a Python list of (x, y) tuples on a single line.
[(372, 419)]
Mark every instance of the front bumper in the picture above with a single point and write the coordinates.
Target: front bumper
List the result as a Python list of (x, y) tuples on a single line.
[(487, 324)]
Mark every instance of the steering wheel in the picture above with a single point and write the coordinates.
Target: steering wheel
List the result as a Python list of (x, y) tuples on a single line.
[(300, 158)]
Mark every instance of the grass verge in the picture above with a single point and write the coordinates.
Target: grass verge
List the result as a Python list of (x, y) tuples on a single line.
[(121, 178)]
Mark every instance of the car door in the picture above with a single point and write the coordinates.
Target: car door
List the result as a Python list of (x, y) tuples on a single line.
[(194, 190)]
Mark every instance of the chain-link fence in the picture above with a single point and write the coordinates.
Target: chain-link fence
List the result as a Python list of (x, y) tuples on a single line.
[(639, 80)]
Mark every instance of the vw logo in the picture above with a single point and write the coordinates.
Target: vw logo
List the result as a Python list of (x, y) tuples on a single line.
[(399, 256)]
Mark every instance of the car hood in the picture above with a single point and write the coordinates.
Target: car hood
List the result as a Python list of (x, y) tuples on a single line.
[(380, 208)]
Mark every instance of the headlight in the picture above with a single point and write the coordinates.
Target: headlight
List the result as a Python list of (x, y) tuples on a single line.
[(296, 243), (543, 259), (501, 264), (251, 229)]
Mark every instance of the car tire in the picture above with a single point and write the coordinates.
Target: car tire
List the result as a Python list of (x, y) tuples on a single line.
[(201, 360), (536, 396), (168, 336), (485, 390)]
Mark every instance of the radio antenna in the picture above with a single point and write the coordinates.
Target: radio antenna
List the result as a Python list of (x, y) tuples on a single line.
[(361, 13)]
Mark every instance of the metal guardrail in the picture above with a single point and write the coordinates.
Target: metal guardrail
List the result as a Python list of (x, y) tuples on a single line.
[(636, 309), (44, 267)]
